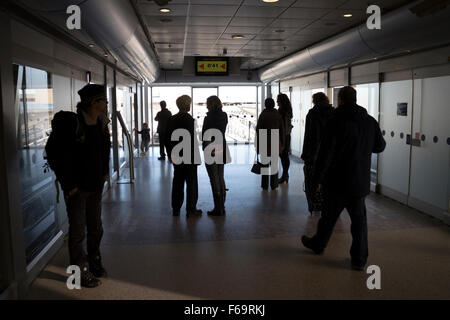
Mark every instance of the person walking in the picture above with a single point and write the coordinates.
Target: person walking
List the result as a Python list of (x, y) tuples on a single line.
[(316, 120), (270, 119), (185, 172), (78, 150), (342, 172), (162, 118), (216, 119), (285, 110)]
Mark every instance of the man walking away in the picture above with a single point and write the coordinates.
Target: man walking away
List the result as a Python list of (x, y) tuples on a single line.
[(343, 174), (162, 117), (316, 119)]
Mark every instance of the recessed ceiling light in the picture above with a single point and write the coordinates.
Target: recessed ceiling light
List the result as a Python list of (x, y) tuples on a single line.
[(171, 62), (270, 1), (91, 45), (347, 15), (237, 36), (164, 10), (105, 55)]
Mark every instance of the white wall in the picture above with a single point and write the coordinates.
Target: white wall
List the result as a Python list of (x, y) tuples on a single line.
[(430, 162), (394, 161)]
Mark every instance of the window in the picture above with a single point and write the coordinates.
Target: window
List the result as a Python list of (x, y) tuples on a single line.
[(34, 105)]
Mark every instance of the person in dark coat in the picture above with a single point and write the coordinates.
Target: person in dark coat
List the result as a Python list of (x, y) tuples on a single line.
[(316, 120), (342, 172), (162, 117), (82, 171), (270, 119), (216, 119), (285, 110), (185, 171)]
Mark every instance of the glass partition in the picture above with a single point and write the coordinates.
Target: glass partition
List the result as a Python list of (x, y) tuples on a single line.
[(34, 102), (199, 110), (239, 102), (170, 96)]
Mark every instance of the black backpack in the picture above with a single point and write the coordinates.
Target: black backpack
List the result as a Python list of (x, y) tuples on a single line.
[(66, 129)]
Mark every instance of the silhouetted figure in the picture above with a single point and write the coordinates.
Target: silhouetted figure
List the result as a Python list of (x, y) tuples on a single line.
[(316, 120), (81, 148), (343, 173), (270, 119), (145, 142), (285, 110), (162, 117), (216, 119), (186, 172)]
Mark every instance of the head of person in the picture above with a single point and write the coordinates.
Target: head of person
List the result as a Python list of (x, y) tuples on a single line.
[(93, 99), (269, 103), (347, 96), (320, 98), (213, 103), (145, 125), (284, 104), (163, 105), (184, 103)]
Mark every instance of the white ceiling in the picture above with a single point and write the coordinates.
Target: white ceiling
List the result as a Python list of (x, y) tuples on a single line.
[(205, 27)]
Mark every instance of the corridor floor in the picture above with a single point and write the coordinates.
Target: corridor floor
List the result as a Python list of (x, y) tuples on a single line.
[(253, 252)]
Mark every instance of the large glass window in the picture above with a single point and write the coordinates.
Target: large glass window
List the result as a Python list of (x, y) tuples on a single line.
[(239, 102), (170, 96), (199, 105), (34, 103), (124, 106), (367, 97)]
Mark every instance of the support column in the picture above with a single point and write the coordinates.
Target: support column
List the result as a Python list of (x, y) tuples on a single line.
[(114, 124)]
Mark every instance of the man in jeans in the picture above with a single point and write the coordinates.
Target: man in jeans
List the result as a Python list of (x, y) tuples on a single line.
[(342, 172), (83, 170)]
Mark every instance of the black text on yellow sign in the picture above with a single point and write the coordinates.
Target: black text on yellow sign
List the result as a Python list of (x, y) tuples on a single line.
[(211, 66)]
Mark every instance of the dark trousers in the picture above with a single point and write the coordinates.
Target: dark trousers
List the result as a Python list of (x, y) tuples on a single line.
[(185, 173), (284, 156), (162, 145), (332, 208), (217, 180), (273, 181), (84, 211)]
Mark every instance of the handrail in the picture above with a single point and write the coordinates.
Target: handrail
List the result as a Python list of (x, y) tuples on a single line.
[(130, 147)]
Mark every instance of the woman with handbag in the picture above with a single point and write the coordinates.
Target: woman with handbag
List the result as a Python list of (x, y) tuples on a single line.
[(270, 119), (216, 119)]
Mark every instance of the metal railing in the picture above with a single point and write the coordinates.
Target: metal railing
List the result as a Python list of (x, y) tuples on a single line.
[(129, 142)]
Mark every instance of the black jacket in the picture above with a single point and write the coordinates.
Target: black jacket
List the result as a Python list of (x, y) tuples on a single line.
[(316, 120), (84, 154), (182, 120), (162, 117), (216, 119), (344, 160), (270, 119)]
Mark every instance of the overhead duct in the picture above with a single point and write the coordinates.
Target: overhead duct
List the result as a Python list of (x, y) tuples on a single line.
[(114, 25), (401, 30)]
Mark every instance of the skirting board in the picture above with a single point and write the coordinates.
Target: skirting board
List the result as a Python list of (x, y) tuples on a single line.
[(429, 209)]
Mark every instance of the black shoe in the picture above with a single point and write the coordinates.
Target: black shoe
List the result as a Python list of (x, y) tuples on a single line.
[(216, 212), (283, 180), (176, 213), (265, 189), (307, 242), (96, 267), (162, 158), (358, 266), (195, 212), (88, 280)]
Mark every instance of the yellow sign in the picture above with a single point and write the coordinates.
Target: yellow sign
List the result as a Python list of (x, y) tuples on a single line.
[(212, 66)]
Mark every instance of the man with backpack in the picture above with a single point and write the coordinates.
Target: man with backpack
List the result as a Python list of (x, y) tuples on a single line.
[(78, 151)]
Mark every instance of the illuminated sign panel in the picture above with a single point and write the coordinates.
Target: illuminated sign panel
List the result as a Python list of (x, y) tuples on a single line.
[(211, 66)]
